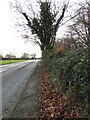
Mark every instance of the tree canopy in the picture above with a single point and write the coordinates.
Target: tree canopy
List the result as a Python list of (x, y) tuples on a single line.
[(46, 24)]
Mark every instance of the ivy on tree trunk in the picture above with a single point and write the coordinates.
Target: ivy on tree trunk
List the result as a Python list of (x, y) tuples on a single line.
[(45, 26)]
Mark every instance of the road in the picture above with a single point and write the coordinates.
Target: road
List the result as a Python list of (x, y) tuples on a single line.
[(13, 78)]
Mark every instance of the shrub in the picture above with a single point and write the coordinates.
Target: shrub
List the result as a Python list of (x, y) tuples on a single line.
[(69, 73)]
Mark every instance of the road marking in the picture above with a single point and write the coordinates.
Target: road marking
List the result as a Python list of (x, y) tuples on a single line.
[(2, 69)]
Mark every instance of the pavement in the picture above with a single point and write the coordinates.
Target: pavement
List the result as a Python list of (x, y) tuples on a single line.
[(14, 79)]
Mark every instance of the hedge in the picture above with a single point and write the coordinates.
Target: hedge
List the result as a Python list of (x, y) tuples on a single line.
[(69, 72)]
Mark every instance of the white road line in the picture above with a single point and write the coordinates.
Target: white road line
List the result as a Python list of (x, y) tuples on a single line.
[(2, 70), (16, 65)]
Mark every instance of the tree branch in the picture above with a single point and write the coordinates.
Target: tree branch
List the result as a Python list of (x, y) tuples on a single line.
[(26, 17), (58, 21)]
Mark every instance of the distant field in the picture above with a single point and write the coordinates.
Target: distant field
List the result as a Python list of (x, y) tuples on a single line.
[(3, 62)]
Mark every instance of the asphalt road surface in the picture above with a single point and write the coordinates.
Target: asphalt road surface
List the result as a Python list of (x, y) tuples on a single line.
[(13, 78)]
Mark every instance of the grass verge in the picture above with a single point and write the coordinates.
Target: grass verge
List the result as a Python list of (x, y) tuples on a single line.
[(3, 62)]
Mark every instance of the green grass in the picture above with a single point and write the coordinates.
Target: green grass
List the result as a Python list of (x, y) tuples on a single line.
[(3, 62)]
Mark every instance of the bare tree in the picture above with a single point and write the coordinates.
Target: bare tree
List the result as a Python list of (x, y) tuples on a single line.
[(68, 42), (33, 56), (25, 55), (10, 55), (80, 28), (1, 56), (42, 21)]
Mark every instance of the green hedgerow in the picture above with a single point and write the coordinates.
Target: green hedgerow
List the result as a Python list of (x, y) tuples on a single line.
[(69, 68)]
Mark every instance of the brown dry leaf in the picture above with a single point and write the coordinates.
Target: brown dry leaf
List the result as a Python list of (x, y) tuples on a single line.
[(53, 106), (52, 115)]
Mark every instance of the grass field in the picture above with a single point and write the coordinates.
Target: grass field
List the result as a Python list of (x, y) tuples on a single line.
[(3, 62)]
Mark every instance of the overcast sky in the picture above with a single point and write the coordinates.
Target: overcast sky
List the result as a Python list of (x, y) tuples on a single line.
[(10, 42)]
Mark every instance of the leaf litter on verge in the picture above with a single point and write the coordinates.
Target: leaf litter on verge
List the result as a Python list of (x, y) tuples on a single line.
[(53, 106)]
